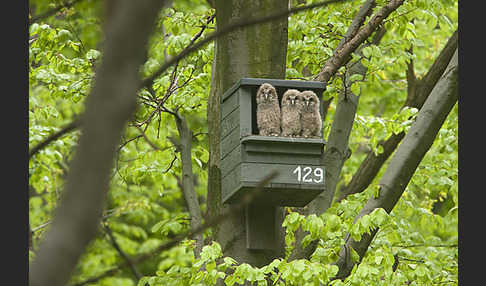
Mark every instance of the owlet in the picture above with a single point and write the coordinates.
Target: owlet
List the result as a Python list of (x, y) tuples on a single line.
[(267, 111), (291, 108), (310, 117)]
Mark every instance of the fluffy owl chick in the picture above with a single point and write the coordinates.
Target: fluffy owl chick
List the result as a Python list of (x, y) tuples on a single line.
[(267, 111), (291, 108), (310, 118)]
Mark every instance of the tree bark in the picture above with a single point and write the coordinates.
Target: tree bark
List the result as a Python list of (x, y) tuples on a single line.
[(256, 51), (109, 106), (408, 156), (342, 54), (184, 147)]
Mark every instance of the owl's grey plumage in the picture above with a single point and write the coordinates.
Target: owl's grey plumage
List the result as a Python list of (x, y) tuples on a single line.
[(310, 117), (291, 108), (267, 111)]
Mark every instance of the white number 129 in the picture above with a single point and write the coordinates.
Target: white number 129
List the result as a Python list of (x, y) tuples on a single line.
[(307, 171)]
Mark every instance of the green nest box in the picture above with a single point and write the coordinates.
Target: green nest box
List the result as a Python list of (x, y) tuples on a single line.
[(246, 157)]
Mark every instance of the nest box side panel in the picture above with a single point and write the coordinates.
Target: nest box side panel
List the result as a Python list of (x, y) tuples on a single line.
[(246, 111), (231, 184), (230, 161), (230, 122)]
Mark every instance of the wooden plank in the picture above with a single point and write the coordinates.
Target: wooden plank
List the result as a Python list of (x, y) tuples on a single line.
[(281, 158), (230, 122), (317, 85), (296, 148), (230, 183), (230, 142), (287, 196), (230, 161), (246, 112), (230, 91), (255, 172), (274, 139), (279, 186), (292, 196), (229, 105)]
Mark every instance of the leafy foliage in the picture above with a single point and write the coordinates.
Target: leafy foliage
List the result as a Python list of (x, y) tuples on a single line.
[(416, 243)]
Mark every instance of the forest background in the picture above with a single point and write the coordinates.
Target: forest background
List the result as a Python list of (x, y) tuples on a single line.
[(390, 67)]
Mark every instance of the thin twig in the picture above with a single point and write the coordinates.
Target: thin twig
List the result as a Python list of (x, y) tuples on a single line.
[(108, 213), (77, 36), (68, 128), (152, 144), (342, 54), (41, 226), (120, 251), (399, 15), (411, 260), (170, 165), (424, 245), (128, 141)]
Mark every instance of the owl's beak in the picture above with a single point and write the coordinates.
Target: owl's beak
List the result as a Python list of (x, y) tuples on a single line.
[(307, 103), (293, 101), (266, 96)]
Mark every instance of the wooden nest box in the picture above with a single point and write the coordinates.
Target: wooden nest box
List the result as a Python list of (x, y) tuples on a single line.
[(246, 157)]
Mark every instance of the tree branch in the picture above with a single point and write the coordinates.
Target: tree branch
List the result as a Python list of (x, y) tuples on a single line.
[(52, 11), (408, 156), (152, 144), (342, 54), (411, 78), (68, 128), (120, 251), (428, 82), (359, 19), (184, 147)]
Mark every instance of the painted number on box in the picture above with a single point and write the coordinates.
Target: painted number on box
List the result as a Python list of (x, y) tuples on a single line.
[(309, 174)]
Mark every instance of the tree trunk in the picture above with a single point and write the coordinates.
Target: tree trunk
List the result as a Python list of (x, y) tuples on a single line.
[(256, 51)]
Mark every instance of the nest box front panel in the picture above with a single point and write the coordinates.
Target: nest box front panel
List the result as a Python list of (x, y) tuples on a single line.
[(246, 157)]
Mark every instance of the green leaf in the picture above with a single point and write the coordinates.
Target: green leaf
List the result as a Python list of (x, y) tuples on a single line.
[(378, 260), (157, 226), (92, 54), (355, 77), (367, 51), (356, 88), (354, 255)]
